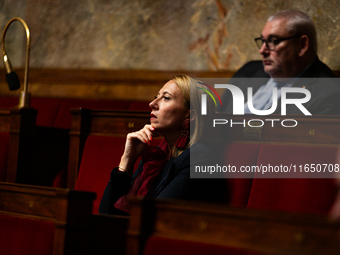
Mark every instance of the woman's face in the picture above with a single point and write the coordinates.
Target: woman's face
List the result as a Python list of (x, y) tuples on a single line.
[(169, 109)]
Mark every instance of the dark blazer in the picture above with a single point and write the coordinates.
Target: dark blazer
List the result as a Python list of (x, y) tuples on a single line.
[(173, 181), (324, 95)]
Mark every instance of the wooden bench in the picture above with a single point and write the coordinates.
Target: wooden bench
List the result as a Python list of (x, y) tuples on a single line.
[(93, 130), (28, 150), (17, 125), (179, 227), (30, 212)]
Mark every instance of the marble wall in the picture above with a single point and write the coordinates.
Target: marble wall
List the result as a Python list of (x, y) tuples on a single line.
[(154, 34)]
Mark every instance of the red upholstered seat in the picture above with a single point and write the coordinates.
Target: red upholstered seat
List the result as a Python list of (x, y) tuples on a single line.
[(4, 147), (23, 236), (170, 246), (297, 195), (101, 154), (240, 154)]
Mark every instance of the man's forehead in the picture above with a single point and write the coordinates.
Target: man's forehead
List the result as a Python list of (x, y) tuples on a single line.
[(274, 28)]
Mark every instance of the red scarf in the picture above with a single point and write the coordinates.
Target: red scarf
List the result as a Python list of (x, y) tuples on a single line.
[(154, 159)]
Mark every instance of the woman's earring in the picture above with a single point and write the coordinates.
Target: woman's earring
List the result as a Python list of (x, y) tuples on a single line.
[(182, 142)]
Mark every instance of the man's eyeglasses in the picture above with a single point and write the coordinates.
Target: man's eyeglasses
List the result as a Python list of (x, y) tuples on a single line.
[(271, 43)]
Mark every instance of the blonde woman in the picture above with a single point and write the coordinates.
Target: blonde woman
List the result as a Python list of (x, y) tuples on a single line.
[(164, 171)]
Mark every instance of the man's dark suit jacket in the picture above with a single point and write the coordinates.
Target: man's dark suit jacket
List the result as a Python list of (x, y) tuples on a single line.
[(325, 93)]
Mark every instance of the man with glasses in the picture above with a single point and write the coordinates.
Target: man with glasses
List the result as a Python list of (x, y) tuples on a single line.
[(288, 46)]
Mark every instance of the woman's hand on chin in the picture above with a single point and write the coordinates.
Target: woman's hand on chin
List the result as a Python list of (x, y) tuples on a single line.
[(136, 143)]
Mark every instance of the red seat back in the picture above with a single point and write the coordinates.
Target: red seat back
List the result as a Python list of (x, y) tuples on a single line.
[(296, 195), (48, 109), (23, 236), (240, 154), (8, 102), (101, 154)]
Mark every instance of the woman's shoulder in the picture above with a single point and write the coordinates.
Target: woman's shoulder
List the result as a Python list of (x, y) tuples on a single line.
[(200, 147), (197, 152)]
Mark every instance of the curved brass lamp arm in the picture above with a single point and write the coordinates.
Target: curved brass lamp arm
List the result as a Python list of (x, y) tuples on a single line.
[(24, 97)]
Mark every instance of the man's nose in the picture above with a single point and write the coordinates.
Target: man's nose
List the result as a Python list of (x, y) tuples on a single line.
[(264, 49)]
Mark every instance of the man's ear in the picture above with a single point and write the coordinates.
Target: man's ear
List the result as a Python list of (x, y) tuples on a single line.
[(304, 45)]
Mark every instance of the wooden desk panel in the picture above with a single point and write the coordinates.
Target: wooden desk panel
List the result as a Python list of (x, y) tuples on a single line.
[(310, 130), (263, 231), (70, 210)]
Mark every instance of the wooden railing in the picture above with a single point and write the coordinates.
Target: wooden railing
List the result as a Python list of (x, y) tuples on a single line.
[(139, 85)]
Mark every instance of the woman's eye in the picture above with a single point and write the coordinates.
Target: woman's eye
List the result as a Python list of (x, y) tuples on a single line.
[(166, 98)]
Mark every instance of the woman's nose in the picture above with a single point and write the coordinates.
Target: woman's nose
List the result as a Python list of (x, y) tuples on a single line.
[(152, 104)]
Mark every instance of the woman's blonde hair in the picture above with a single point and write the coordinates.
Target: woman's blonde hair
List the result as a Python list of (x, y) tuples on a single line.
[(192, 95)]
